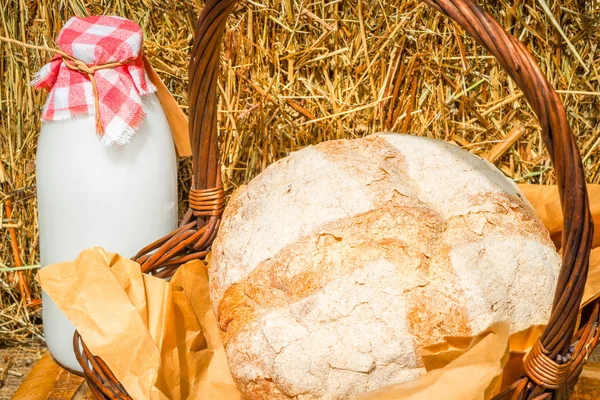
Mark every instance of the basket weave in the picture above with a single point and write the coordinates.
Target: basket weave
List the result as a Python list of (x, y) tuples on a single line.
[(555, 362)]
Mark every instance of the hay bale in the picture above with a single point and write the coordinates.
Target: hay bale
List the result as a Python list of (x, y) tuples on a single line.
[(297, 73)]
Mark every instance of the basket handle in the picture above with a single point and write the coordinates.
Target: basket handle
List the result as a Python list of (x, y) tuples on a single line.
[(543, 99), (543, 363)]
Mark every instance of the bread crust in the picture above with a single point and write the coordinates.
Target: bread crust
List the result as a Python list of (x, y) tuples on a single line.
[(335, 266)]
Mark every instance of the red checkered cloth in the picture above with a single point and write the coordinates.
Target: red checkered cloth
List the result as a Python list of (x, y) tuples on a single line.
[(97, 41)]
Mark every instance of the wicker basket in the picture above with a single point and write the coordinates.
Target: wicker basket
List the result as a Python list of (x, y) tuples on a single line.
[(553, 365)]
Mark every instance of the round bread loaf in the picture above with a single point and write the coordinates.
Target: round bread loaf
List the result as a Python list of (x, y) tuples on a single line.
[(336, 265)]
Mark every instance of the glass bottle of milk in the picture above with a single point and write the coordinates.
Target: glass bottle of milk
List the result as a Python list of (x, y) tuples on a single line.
[(106, 164)]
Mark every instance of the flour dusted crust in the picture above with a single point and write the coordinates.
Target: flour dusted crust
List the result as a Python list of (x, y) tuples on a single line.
[(337, 264)]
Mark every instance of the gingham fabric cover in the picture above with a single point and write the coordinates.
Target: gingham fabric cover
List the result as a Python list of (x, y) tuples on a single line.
[(98, 40)]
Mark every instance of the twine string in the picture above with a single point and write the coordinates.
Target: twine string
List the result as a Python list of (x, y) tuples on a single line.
[(75, 64), (89, 70)]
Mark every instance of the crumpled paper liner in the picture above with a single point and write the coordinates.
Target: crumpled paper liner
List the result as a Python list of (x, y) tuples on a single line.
[(474, 375), (546, 203), (161, 339)]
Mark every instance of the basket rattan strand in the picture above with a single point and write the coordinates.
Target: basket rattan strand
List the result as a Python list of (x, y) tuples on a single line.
[(546, 376)]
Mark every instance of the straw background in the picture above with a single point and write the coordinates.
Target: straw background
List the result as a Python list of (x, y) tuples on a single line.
[(298, 72)]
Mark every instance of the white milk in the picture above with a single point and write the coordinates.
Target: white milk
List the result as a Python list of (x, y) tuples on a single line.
[(119, 198)]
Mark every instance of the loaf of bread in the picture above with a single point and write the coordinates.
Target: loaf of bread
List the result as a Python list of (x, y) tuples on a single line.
[(337, 264)]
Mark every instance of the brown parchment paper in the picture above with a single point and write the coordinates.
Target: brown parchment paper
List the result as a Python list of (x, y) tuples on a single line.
[(475, 375), (161, 338), (546, 203)]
